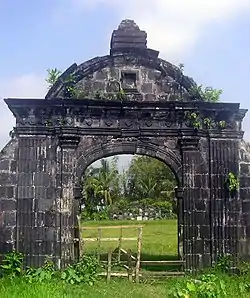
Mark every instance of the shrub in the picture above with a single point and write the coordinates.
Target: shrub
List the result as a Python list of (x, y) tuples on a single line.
[(84, 271), (206, 286), (12, 264), (123, 208), (44, 273)]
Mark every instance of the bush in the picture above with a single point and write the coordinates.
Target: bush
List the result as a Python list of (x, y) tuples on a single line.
[(12, 264), (95, 215), (124, 209), (84, 271), (206, 286)]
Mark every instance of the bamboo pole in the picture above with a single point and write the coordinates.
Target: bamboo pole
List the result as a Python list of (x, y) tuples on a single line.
[(111, 227), (139, 244), (109, 265), (99, 244), (130, 271), (120, 246)]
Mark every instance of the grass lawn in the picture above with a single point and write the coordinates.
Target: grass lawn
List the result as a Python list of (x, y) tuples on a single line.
[(159, 240), (117, 289), (18, 288)]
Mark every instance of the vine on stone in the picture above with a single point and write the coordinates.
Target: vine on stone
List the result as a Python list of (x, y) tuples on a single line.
[(232, 182), (199, 122)]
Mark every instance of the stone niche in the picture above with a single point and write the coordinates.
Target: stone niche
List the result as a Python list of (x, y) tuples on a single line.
[(55, 139)]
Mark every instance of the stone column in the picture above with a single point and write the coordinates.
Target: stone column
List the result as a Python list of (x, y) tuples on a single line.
[(67, 205), (244, 224), (37, 225), (195, 196), (225, 207)]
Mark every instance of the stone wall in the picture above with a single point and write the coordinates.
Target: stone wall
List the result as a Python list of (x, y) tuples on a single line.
[(147, 82), (8, 189), (225, 207), (244, 218)]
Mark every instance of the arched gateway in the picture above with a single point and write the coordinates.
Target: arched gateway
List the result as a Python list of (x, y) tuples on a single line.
[(130, 102)]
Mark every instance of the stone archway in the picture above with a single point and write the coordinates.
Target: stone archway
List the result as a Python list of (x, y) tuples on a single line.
[(156, 114), (170, 157), (132, 146)]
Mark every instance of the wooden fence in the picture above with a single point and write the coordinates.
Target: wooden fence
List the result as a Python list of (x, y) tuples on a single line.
[(132, 264)]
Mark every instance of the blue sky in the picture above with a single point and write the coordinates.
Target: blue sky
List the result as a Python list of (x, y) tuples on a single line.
[(210, 37)]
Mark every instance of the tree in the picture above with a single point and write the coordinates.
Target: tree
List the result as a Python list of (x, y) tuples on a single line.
[(150, 178), (100, 185)]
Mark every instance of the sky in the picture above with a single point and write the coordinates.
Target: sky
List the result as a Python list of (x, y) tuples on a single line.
[(211, 38)]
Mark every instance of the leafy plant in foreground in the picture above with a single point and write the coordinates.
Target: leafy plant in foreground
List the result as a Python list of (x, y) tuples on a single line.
[(12, 264), (85, 271), (41, 274), (224, 264), (207, 286)]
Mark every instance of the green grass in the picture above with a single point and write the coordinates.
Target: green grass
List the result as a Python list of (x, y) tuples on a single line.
[(118, 289), (18, 288), (159, 241)]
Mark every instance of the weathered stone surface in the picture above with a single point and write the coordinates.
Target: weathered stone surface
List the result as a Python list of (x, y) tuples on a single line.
[(57, 138)]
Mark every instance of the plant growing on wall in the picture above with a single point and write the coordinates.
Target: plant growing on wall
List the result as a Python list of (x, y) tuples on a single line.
[(232, 182), (53, 75), (222, 124), (207, 94)]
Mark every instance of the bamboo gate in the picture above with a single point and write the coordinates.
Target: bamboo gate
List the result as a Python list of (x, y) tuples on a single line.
[(116, 256)]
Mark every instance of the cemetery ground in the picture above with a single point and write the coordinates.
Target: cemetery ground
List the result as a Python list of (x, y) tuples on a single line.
[(159, 243)]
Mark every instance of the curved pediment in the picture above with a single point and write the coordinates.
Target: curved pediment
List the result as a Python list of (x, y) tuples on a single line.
[(130, 67)]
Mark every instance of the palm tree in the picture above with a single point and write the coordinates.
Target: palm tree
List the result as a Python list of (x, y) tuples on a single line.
[(147, 186), (101, 182)]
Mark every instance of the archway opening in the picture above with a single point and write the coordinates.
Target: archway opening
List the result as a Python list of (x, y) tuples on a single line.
[(131, 190)]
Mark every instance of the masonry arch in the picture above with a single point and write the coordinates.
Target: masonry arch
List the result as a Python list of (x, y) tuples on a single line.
[(166, 155)]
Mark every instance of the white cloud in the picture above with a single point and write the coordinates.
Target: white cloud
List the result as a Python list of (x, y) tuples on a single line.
[(173, 26), (27, 86)]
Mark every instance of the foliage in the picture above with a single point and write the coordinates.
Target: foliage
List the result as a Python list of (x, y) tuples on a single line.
[(206, 286), (232, 182), (204, 123), (146, 178), (196, 123), (224, 264), (211, 95), (12, 264), (72, 90), (122, 209), (222, 124), (101, 185), (155, 209), (53, 75), (207, 94), (90, 214), (244, 268), (149, 178), (84, 271), (41, 274)]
